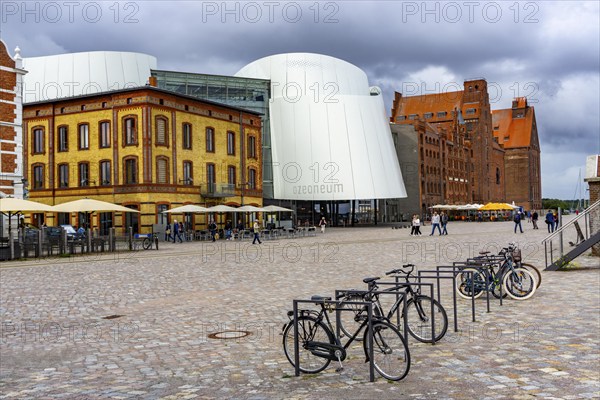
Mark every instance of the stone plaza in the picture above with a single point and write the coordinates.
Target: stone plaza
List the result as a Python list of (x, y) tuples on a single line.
[(138, 324)]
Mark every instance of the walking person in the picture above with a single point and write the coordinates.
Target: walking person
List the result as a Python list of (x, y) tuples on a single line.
[(176, 232), (550, 221), (168, 235), (212, 227), (517, 218), (322, 224), (534, 219), (413, 227), (417, 223), (228, 230), (435, 223), (555, 215), (256, 232), (444, 220)]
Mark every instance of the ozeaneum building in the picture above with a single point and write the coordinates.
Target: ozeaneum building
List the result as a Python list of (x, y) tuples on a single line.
[(325, 136)]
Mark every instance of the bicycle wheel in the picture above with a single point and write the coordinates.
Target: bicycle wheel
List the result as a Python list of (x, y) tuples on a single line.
[(534, 271), (464, 288), (496, 285), (309, 330), (391, 357), (351, 315), (519, 284), (147, 244), (418, 318)]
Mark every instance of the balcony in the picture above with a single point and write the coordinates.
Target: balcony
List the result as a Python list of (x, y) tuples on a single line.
[(217, 190)]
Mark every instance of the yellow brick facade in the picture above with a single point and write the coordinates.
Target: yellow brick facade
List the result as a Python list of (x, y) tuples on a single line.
[(149, 150)]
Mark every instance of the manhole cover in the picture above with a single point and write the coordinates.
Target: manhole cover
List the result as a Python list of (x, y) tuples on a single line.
[(229, 335), (112, 316)]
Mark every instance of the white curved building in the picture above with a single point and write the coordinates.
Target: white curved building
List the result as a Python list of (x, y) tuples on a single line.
[(330, 135), (75, 74)]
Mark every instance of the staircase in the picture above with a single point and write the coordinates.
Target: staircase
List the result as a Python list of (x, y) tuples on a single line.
[(585, 227)]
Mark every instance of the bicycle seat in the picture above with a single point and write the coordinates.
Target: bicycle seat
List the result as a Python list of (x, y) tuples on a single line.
[(369, 280), (484, 252), (320, 298)]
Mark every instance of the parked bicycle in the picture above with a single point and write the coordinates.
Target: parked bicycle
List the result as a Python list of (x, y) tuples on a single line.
[(418, 311), (515, 253), (506, 277), (318, 345)]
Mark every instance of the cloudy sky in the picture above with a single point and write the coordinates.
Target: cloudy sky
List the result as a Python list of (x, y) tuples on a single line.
[(546, 50)]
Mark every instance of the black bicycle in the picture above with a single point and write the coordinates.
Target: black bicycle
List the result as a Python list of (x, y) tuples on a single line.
[(506, 277), (420, 311), (318, 345)]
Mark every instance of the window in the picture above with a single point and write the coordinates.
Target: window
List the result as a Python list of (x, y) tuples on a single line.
[(161, 131), (162, 170), (187, 136), (38, 141), (428, 115), (38, 176), (441, 114), (104, 132), (84, 137), (130, 171), (187, 173), (231, 143), (210, 177), (63, 175), (400, 117), (470, 111), (210, 140), (162, 218), (231, 175), (412, 116), (251, 147), (84, 174), (252, 178), (129, 129), (497, 176), (63, 138), (104, 173)]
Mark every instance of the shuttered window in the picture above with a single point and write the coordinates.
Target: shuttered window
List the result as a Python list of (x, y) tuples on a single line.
[(161, 131), (161, 170)]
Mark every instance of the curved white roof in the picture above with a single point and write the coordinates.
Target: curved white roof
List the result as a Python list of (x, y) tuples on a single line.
[(74, 74), (330, 136)]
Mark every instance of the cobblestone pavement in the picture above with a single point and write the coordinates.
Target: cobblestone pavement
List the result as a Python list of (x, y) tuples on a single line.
[(56, 344)]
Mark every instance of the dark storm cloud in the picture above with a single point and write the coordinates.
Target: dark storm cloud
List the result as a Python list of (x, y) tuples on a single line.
[(547, 51)]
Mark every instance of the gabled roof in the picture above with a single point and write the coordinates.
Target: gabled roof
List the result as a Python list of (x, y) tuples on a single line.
[(446, 101), (512, 131)]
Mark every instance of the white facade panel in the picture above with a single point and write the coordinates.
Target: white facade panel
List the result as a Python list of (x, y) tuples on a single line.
[(67, 75), (330, 137)]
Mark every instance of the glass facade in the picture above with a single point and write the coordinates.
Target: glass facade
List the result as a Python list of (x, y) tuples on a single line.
[(250, 94)]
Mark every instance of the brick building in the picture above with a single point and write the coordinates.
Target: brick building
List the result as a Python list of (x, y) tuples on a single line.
[(459, 160), (11, 131), (515, 129), (146, 148)]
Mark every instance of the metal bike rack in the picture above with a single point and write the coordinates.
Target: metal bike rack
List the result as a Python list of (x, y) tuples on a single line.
[(369, 306), (482, 267), (422, 274)]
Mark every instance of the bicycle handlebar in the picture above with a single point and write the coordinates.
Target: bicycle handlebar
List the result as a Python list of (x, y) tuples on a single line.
[(401, 270)]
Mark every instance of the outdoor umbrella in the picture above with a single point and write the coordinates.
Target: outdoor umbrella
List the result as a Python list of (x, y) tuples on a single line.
[(497, 207), (221, 209), (250, 209), (89, 206), (278, 210), (12, 206), (188, 208)]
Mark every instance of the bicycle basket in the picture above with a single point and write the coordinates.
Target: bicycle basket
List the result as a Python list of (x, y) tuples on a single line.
[(516, 255)]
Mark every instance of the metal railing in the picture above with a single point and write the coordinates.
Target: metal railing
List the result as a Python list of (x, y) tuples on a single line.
[(581, 234)]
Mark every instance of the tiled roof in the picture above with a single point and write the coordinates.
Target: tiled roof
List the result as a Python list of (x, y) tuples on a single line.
[(513, 132), (434, 103)]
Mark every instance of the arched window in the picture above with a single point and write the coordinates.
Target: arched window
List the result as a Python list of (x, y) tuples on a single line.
[(162, 170)]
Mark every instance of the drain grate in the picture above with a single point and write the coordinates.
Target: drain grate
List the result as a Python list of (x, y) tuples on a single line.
[(113, 316), (229, 335)]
